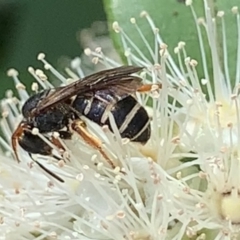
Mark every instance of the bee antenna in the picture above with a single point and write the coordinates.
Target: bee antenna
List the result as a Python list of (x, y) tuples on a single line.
[(48, 171)]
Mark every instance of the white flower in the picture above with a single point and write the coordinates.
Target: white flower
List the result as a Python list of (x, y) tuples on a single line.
[(208, 127), (94, 201), (184, 183)]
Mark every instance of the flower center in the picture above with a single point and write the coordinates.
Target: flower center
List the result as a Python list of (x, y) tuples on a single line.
[(226, 205), (230, 207)]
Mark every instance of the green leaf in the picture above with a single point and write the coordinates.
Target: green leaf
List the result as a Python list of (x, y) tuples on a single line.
[(231, 34), (172, 17), (175, 22)]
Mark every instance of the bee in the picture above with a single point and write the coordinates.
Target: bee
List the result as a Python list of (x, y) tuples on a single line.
[(95, 97)]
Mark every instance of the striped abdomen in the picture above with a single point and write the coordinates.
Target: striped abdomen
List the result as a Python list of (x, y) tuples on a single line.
[(131, 118)]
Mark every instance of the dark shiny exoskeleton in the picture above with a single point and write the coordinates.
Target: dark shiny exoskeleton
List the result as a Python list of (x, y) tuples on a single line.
[(130, 117), (52, 120), (95, 96), (49, 121)]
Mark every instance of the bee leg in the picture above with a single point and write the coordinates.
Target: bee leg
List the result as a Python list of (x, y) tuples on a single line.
[(15, 139), (57, 143), (80, 127), (149, 87), (61, 149)]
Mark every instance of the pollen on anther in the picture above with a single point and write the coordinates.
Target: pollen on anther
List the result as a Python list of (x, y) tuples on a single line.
[(86, 167), (190, 232), (53, 235), (116, 170), (193, 63), (127, 53), (180, 212), (97, 175), (157, 66), (104, 225), (95, 60), (200, 21), (94, 157), (144, 14), (176, 140), (100, 165), (176, 50), (69, 80), (220, 14), (41, 74), (118, 177), (12, 72), (187, 60), (202, 236), (20, 86), (116, 27), (125, 141), (204, 81), (202, 175), (5, 114), (35, 131), (56, 135), (163, 46), (133, 20), (41, 56), (61, 163), (188, 2), (235, 10), (47, 66), (156, 31), (186, 190), (120, 214), (200, 205), (87, 51), (163, 53), (76, 62), (139, 206), (34, 87), (159, 197), (80, 177), (105, 128), (65, 155), (181, 44), (179, 175), (9, 93), (98, 50), (31, 70)]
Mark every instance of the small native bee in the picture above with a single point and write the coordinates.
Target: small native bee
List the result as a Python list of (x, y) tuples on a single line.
[(95, 96)]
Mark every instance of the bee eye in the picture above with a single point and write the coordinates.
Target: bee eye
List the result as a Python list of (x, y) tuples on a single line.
[(32, 103)]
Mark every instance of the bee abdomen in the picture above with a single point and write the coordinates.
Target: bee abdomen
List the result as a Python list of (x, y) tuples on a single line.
[(130, 117), (91, 108), (132, 120)]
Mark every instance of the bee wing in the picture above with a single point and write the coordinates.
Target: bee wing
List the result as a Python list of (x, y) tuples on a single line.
[(119, 79)]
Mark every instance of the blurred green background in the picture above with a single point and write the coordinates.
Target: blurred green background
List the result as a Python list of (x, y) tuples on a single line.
[(50, 26)]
